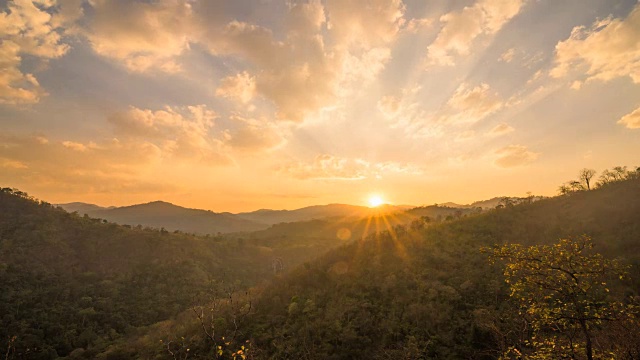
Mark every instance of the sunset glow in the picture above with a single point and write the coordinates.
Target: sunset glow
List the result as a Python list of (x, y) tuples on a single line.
[(241, 105), (375, 201)]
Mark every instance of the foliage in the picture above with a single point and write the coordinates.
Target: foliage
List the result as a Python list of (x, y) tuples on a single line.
[(563, 294), (69, 282), (420, 291), (616, 174)]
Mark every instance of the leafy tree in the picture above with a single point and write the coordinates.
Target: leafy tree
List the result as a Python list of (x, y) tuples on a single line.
[(616, 174), (563, 295)]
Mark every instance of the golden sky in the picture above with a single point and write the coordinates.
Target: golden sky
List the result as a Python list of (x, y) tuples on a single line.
[(239, 105)]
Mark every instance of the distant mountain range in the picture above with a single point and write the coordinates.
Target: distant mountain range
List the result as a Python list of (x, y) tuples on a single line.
[(491, 203), (160, 214)]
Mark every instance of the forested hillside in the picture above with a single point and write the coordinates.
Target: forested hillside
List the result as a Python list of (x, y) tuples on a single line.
[(412, 285), (70, 282), (423, 291)]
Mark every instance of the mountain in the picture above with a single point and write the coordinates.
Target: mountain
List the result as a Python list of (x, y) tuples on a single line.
[(82, 208), (423, 291), (317, 212), (72, 285), (420, 293), (160, 214)]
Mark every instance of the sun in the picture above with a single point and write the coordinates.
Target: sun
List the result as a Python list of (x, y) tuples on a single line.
[(375, 201)]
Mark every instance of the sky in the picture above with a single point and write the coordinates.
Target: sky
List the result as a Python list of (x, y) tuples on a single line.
[(236, 105)]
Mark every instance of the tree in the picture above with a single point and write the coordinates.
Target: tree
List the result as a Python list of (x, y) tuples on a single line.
[(586, 175), (563, 295)]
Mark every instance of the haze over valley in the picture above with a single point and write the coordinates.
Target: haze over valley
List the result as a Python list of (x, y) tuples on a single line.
[(319, 179)]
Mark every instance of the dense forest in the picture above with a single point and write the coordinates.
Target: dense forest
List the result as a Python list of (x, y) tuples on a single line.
[(428, 283)]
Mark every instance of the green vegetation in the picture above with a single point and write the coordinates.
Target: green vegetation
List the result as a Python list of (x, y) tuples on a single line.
[(563, 295), (422, 291), (413, 285), (70, 283)]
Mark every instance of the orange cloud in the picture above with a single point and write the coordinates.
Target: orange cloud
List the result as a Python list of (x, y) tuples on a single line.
[(241, 86), (461, 28), (141, 35), (76, 167), (28, 28), (514, 155), (500, 129), (182, 132), (610, 48), (329, 167), (631, 120), (472, 104)]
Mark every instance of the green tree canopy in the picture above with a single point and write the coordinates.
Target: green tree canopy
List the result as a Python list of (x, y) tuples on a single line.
[(564, 298)]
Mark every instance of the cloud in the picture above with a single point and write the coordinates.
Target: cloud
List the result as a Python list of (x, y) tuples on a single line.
[(321, 53), (631, 120), (508, 55), (465, 136), (610, 48), (298, 74), (390, 106), (514, 155), (75, 167), (241, 87), (366, 24), (472, 104), (141, 35), (461, 28), (364, 68), (74, 145), (414, 26), (405, 112), (329, 167), (500, 129), (181, 132), (27, 28), (252, 134), (12, 164)]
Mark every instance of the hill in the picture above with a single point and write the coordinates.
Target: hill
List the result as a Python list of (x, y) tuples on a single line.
[(317, 212), (82, 208), (71, 282), (422, 291), (160, 214)]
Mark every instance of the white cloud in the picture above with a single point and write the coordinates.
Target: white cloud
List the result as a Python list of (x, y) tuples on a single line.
[(631, 120), (461, 28), (610, 48), (514, 155)]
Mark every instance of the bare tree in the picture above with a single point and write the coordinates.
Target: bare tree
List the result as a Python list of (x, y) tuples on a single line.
[(586, 175)]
